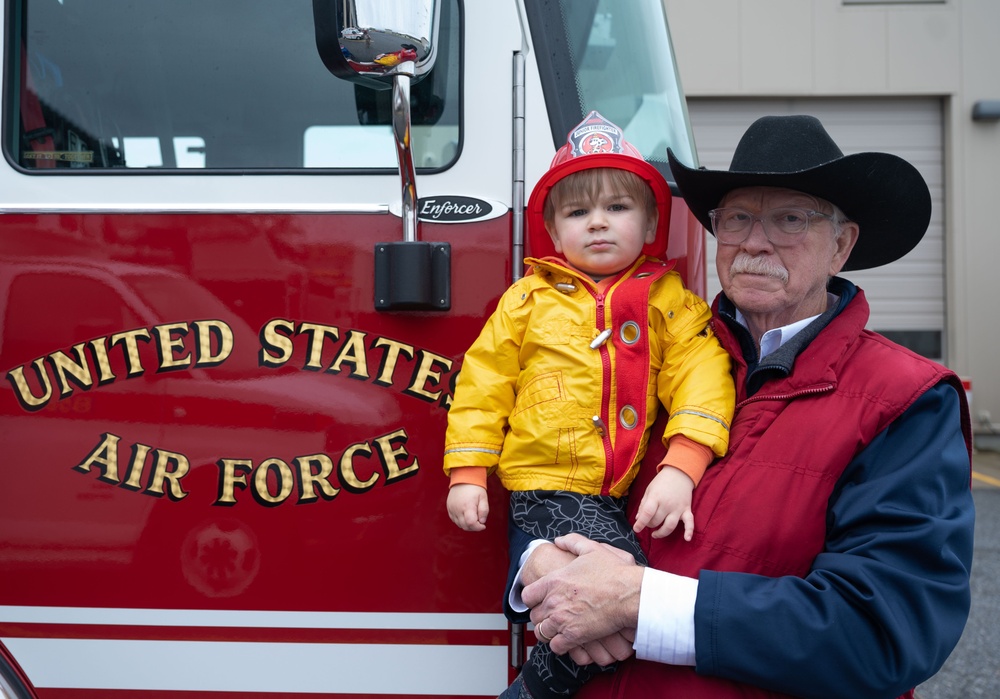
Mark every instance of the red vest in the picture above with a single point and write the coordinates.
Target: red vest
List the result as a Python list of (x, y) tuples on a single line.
[(762, 509)]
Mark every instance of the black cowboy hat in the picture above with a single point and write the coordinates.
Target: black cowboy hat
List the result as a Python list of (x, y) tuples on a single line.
[(882, 193)]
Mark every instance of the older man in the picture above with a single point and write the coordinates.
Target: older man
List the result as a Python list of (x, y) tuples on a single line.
[(834, 541)]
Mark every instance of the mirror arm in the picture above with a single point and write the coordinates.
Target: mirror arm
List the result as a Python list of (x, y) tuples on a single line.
[(404, 151), (410, 274)]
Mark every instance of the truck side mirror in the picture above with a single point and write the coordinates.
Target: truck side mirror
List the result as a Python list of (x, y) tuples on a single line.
[(370, 42), (382, 45)]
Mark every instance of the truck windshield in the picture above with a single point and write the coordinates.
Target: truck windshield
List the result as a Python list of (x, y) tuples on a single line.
[(595, 54), (196, 84)]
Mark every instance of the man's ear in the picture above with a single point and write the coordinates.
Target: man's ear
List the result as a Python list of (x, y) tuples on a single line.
[(845, 242)]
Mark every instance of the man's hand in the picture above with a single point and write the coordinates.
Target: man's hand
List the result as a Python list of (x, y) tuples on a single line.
[(610, 649), (590, 606), (545, 559), (468, 506), (666, 503)]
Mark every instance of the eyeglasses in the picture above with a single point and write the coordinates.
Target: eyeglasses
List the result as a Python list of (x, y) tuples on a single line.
[(783, 227)]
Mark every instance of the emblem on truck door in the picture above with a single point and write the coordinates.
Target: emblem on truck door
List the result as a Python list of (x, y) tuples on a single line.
[(454, 208)]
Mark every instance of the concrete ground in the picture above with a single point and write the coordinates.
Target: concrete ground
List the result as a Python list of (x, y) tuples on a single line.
[(973, 671)]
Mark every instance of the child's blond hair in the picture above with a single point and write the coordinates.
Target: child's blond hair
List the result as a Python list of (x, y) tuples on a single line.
[(588, 185)]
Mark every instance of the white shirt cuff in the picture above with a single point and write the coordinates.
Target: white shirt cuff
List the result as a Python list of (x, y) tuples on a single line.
[(514, 598), (665, 632)]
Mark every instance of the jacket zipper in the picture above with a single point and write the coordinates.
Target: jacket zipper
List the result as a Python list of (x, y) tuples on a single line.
[(601, 421), (786, 396), (770, 396)]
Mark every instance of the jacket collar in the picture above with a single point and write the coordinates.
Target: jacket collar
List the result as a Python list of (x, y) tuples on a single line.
[(779, 364), (558, 270)]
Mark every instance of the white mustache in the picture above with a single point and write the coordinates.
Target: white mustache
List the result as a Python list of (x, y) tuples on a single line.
[(748, 264)]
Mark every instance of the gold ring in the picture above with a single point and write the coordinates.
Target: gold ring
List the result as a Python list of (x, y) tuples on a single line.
[(538, 632)]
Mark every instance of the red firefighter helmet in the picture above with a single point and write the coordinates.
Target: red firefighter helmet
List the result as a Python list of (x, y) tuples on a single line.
[(596, 142)]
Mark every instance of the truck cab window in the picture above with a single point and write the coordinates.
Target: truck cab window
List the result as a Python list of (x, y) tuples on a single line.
[(118, 85)]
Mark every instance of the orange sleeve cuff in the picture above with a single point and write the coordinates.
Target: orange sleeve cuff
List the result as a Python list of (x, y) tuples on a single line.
[(687, 455), (473, 475)]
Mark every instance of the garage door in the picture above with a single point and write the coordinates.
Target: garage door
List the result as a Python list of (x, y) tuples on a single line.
[(907, 296)]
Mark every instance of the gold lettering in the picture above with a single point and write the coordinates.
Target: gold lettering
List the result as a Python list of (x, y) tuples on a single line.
[(353, 352), (132, 348), (136, 467), (78, 370), (426, 372), (390, 358), (348, 476), (210, 342), (27, 399), (205, 330), (317, 334), (271, 483), (101, 361), (168, 344), (229, 479), (281, 344), (452, 382), (309, 480), (162, 474), (284, 476), (390, 456), (105, 457)]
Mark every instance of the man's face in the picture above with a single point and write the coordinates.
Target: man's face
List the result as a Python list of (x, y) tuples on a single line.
[(774, 286)]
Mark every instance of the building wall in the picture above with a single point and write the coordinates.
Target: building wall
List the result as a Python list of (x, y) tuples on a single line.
[(831, 48)]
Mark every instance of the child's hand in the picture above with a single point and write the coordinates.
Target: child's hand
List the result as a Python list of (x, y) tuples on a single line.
[(468, 506), (666, 502)]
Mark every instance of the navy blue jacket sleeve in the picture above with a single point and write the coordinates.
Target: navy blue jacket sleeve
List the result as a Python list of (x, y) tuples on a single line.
[(518, 543), (887, 600)]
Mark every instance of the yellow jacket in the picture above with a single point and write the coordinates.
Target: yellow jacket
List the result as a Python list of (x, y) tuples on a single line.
[(545, 403)]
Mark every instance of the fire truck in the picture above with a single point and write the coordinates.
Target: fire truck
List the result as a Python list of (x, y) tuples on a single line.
[(243, 247)]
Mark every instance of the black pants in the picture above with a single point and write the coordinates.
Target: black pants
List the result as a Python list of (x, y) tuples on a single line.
[(546, 514)]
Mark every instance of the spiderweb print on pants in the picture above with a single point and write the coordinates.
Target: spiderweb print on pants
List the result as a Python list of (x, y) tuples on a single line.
[(546, 514)]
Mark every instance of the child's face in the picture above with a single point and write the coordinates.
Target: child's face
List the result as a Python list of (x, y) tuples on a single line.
[(602, 237)]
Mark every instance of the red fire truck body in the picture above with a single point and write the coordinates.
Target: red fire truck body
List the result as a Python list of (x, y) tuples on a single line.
[(222, 436)]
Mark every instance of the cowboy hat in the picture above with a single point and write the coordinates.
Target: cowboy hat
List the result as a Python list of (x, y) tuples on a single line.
[(881, 192)]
